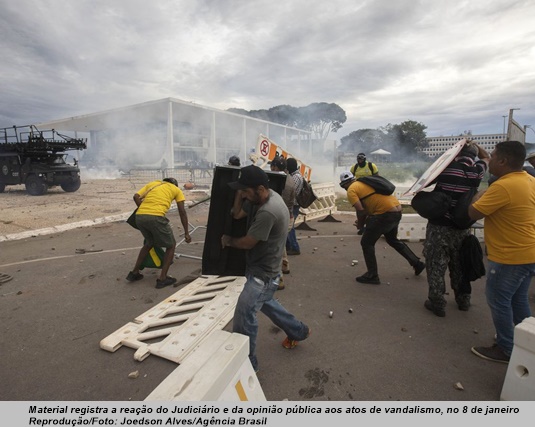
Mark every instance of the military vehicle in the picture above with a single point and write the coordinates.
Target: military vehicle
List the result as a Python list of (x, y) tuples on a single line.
[(38, 159)]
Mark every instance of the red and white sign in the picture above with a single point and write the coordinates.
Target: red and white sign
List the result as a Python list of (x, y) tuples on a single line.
[(268, 150), (436, 168)]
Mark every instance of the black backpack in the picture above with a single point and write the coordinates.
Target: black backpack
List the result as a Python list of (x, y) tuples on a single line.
[(459, 215), (379, 183), (431, 204), (306, 196), (472, 258)]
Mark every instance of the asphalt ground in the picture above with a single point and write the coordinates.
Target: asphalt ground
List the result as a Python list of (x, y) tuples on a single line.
[(380, 344)]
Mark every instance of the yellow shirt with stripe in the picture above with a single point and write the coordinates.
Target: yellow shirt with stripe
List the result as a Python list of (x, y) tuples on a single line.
[(158, 200), (375, 204), (509, 209)]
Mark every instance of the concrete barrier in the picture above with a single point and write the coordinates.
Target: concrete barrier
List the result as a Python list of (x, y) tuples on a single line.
[(217, 370), (519, 381)]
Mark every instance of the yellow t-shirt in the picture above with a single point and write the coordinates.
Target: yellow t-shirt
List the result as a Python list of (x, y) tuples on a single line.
[(376, 204), (158, 200), (509, 209), (365, 170)]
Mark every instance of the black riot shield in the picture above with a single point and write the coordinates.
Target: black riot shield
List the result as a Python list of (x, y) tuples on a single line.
[(228, 261)]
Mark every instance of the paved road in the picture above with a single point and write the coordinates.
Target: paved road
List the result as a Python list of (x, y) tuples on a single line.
[(60, 304)]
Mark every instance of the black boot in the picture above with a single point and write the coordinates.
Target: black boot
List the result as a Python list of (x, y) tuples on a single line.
[(414, 261)]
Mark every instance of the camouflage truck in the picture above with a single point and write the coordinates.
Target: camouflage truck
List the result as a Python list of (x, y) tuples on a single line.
[(37, 159)]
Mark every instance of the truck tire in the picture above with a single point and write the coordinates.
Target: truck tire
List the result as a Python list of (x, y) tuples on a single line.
[(36, 186), (71, 187)]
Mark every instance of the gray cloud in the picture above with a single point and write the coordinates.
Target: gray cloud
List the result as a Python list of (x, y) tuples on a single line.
[(452, 65)]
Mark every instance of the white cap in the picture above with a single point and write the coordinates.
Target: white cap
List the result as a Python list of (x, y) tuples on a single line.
[(345, 177)]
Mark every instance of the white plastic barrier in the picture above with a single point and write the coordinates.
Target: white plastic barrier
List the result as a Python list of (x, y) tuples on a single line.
[(218, 370), (412, 228), (519, 381), (173, 328)]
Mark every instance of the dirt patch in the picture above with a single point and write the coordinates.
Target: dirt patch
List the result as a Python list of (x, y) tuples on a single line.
[(96, 198)]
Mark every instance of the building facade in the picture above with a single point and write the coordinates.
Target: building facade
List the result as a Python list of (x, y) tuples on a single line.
[(439, 144)]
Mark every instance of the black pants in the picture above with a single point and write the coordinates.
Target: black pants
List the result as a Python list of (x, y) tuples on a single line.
[(383, 225)]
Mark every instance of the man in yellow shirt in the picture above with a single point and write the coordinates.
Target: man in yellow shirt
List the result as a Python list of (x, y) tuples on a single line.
[(508, 206), (153, 201), (384, 215)]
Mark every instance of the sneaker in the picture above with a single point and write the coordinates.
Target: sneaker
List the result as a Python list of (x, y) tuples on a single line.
[(360, 232), (438, 311), (293, 252), (287, 271), (418, 268), (372, 280), (494, 353), (289, 344), (285, 268), (134, 277), (168, 281), (281, 285)]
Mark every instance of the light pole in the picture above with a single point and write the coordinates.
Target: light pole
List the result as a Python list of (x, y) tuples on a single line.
[(504, 117), (510, 119)]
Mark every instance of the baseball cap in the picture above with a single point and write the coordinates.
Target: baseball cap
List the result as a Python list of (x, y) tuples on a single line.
[(530, 156), (279, 162), (250, 176), (345, 177)]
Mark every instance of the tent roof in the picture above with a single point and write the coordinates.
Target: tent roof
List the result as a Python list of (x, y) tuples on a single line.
[(151, 111), (380, 151)]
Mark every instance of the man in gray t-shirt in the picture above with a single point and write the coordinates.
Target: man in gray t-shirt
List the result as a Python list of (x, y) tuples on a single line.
[(268, 219)]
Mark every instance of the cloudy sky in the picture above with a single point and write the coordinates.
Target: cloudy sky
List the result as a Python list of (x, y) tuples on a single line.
[(451, 65)]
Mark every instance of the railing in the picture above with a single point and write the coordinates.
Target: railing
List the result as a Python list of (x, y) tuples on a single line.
[(198, 177)]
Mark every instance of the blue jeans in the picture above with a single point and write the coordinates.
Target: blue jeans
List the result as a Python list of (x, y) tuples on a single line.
[(257, 294), (507, 296), (291, 240)]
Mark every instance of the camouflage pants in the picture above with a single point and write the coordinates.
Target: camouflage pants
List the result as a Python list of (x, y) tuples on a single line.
[(442, 248)]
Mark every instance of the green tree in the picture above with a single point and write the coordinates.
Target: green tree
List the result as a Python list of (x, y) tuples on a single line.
[(363, 140), (320, 117), (284, 114), (410, 135)]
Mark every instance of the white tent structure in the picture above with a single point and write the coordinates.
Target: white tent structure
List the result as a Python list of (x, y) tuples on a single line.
[(381, 155), (380, 151), (175, 131)]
